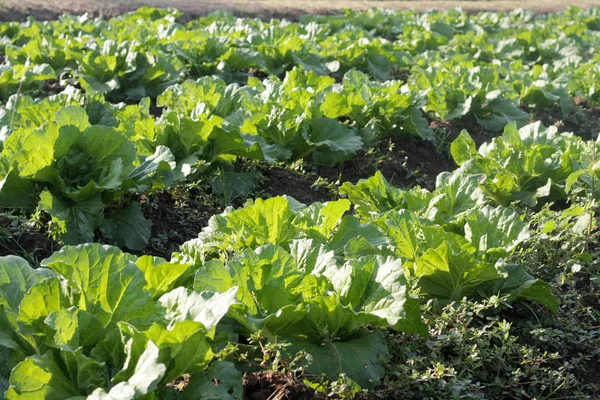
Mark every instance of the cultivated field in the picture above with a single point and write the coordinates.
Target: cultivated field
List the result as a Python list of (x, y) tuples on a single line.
[(344, 204)]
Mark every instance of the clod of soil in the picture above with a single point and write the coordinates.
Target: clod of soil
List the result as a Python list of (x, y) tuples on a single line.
[(281, 181), (405, 162), (24, 242), (174, 221), (271, 385)]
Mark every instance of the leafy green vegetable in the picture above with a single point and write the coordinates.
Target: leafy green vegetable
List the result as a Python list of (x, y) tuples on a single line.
[(78, 171), (324, 303), (527, 166), (88, 326)]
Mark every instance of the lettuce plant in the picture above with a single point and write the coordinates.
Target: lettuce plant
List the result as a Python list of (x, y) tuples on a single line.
[(96, 323), (528, 165), (85, 176)]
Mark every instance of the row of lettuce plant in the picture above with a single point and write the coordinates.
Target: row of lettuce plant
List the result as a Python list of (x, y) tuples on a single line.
[(98, 323), (480, 65), (205, 125), (83, 160)]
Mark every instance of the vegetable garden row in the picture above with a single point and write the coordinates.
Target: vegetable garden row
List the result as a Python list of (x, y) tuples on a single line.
[(382, 292)]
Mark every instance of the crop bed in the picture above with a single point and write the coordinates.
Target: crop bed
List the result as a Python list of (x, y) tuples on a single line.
[(368, 205)]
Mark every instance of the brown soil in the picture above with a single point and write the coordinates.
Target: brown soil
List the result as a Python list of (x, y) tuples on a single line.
[(583, 121), (281, 181), (18, 239), (274, 386), (52, 87), (174, 221), (405, 162), (19, 10), (453, 128), (45, 11)]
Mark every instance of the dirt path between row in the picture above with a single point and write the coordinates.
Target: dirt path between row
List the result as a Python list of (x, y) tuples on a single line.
[(50, 9)]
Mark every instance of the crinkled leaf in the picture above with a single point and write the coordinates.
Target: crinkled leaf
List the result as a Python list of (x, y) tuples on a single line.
[(373, 195), (160, 275), (319, 220), (445, 274), (495, 230), (208, 308), (111, 286), (266, 221)]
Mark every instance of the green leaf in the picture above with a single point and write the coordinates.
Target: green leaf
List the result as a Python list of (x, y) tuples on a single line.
[(334, 142), (335, 105), (189, 349), (234, 143), (268, 280), (351, 228), (417, 124), (77, 222), (445, 274), (74, 116), (463, 148), (221, 381), (17, 192), (541, 292), (572, 179), (500, 112), (75, 328), (231, 185), (149, 371), (111, 286), (40, 377), (160, 275), (127, 227), (41, 300), (14, 347), (208, 308), (86, 373), (106, 145), (378, 287), (456, 193), (185, 97), (161, 160), (403, 229), (214, 276), (360, 357), (124, 346), (518, 283), (16, 278)]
